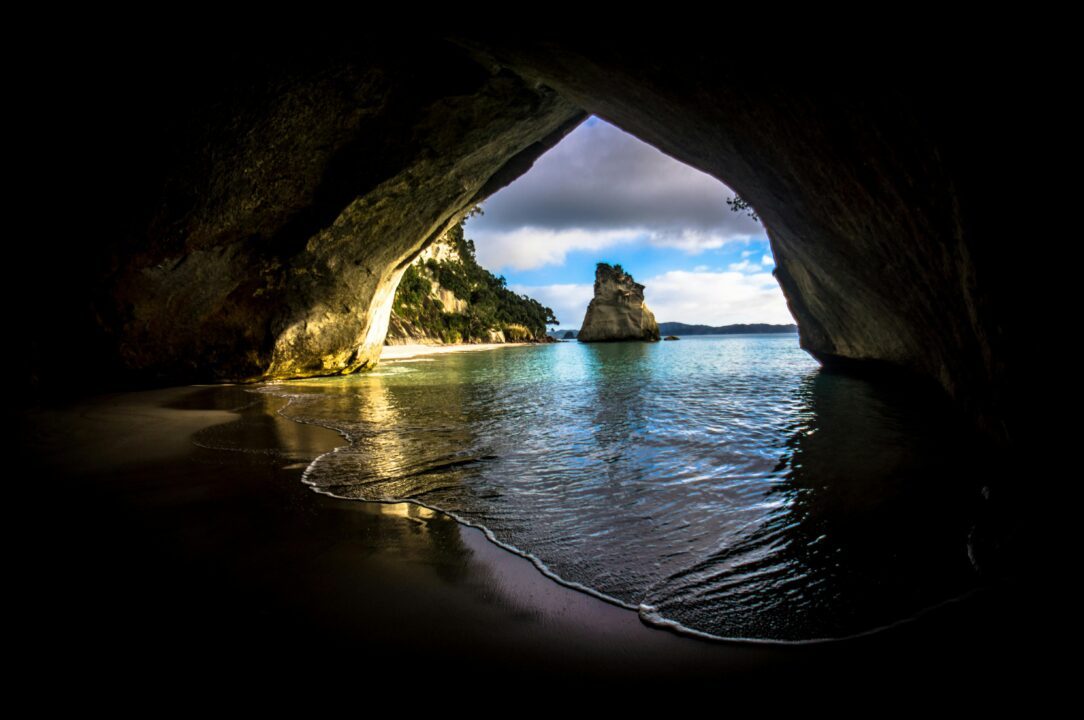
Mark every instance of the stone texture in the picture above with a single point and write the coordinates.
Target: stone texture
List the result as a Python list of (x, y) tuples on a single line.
[(878, 182), (244, 211), (617, 311), (401, 331), (263, 226)]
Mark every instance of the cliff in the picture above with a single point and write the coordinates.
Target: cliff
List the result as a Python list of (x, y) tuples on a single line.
[(246, 214), (617, 311), (445, 296)]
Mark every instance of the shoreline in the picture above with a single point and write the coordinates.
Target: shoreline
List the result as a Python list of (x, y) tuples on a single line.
[(185, 522), (412, 350)]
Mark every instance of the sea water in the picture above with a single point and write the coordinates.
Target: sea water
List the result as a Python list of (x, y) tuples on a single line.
[(721, 485)]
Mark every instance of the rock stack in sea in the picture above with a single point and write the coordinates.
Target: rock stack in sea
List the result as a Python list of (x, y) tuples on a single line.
[(617, 311)]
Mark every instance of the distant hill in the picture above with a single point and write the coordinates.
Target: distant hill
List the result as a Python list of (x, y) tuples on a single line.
[(676, 328)]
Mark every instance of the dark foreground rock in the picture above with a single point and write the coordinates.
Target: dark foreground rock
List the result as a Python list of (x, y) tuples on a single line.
[(245, 212)]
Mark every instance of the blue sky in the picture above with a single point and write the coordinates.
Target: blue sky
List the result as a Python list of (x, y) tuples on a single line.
[(601, 195)]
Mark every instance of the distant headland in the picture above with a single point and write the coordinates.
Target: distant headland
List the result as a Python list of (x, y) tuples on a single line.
[(676, 328)]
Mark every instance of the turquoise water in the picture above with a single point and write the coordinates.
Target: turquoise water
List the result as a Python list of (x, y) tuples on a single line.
[(724, 486)]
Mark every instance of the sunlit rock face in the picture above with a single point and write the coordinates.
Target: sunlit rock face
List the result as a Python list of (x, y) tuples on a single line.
[(284, 196), (617, 311), (400, 330), (245, 213)]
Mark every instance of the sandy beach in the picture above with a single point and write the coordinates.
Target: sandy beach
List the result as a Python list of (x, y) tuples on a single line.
[(404, 352), (173, 525)]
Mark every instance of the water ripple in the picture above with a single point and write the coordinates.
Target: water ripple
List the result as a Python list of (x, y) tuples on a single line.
[(724, 486)]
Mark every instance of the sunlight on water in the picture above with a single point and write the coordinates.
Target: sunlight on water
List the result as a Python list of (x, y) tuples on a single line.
[(724, 485)]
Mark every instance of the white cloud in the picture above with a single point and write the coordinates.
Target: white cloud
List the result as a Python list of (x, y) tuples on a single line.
[(600, 187), (767, 260), (716, 298), (709, 298), (600, 179), (528, 248), (692, 242), (745, 267), (532, 247), (568, 301)]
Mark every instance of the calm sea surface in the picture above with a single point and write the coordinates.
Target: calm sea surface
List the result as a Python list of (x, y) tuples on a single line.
[(723, 485)]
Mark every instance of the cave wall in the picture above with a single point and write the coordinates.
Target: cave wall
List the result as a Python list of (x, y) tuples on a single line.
[(252, 208), (302, 214), (879, 179), (245, 212)]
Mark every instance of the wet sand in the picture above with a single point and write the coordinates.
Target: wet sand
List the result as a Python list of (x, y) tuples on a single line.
[(172, 532)]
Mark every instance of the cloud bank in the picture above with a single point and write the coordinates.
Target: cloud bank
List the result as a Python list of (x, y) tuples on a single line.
[(597, 188), (716, 298), (705, 297)]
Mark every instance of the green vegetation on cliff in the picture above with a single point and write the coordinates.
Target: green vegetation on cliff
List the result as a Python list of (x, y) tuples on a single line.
[(490, 307)]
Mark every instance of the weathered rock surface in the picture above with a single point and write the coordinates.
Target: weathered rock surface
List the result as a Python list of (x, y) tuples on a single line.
[(876, 183), (401, 331), (268, 200), (617, 311), (445, 296), (244, 212)]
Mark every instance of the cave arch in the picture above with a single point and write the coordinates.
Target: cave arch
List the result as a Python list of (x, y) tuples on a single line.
[(270, 199)]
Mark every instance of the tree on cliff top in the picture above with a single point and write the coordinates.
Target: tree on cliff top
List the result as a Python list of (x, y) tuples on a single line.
[(739, 204)]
